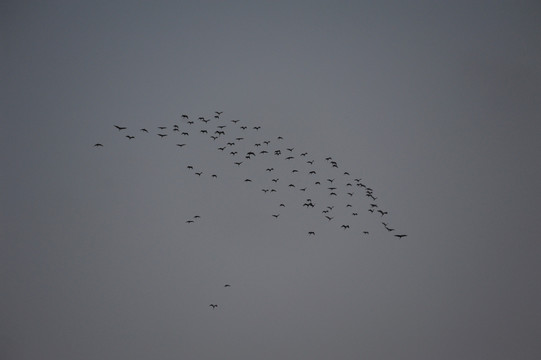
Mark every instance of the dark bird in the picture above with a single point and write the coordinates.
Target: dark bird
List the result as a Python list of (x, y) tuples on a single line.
[(383, 212), (310, 162), (290, 157), (219, 113), (184, 116), (304, 154), (330, 180), (98, 145), (290, 149), (144, 130), (235, 121), (274, 180), (181, 145), (257, 127), (162, 127), (190, 167), (270, 169), (276, 215), (401, 236), (345, 227), (329, 217), (130, 137), (214, 175), (312, 172), (282, 205), (162, 135), (189, 221), (227, 285), (203, 131), (184, 133), (247, 180), (244, 127), (199, 173), (311, 233), (221, 148), (238, 163), (120, 127), (214, 306)]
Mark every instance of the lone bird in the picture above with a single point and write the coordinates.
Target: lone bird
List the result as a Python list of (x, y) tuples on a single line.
[(214, 306), (227, 285), (120, 127), (98, 145), (400, 236)]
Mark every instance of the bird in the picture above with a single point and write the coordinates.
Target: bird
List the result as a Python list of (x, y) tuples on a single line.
[(214, 306), (184, 116), (311, 233), (120, 127), (98, 145), (276, 215), (162, 135), (130, 137), (400, 236), (181, 145), (162, 127), (227, 285), (144, 130)]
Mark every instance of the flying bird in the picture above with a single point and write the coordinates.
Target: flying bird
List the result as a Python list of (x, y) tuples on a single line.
[(120, 127), (98, 145)]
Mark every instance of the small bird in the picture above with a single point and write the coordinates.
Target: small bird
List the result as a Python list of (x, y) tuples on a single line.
[(144, 130), (162, 135), (120, 127), (130, 137), (400, 236), (227, 285), (214, 306), (276, 215), (98, 145), (311, 233)]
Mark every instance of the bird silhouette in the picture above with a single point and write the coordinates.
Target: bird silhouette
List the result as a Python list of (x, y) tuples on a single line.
[(98, 145), (120, 127)]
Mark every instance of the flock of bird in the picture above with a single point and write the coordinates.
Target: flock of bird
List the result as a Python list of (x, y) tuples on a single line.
[(280, 172)]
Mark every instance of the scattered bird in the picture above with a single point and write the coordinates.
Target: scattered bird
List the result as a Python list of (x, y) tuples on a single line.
[(120, 127)]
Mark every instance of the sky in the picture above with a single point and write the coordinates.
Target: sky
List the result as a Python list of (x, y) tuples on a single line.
[(433, 105)]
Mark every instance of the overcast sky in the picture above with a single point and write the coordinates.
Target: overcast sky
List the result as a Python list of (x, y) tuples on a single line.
[(434, 105)]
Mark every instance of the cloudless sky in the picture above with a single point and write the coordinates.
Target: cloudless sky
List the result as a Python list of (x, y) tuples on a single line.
[(435, 105)]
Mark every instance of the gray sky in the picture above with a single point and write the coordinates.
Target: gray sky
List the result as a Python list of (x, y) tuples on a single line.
[(435, 105)]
